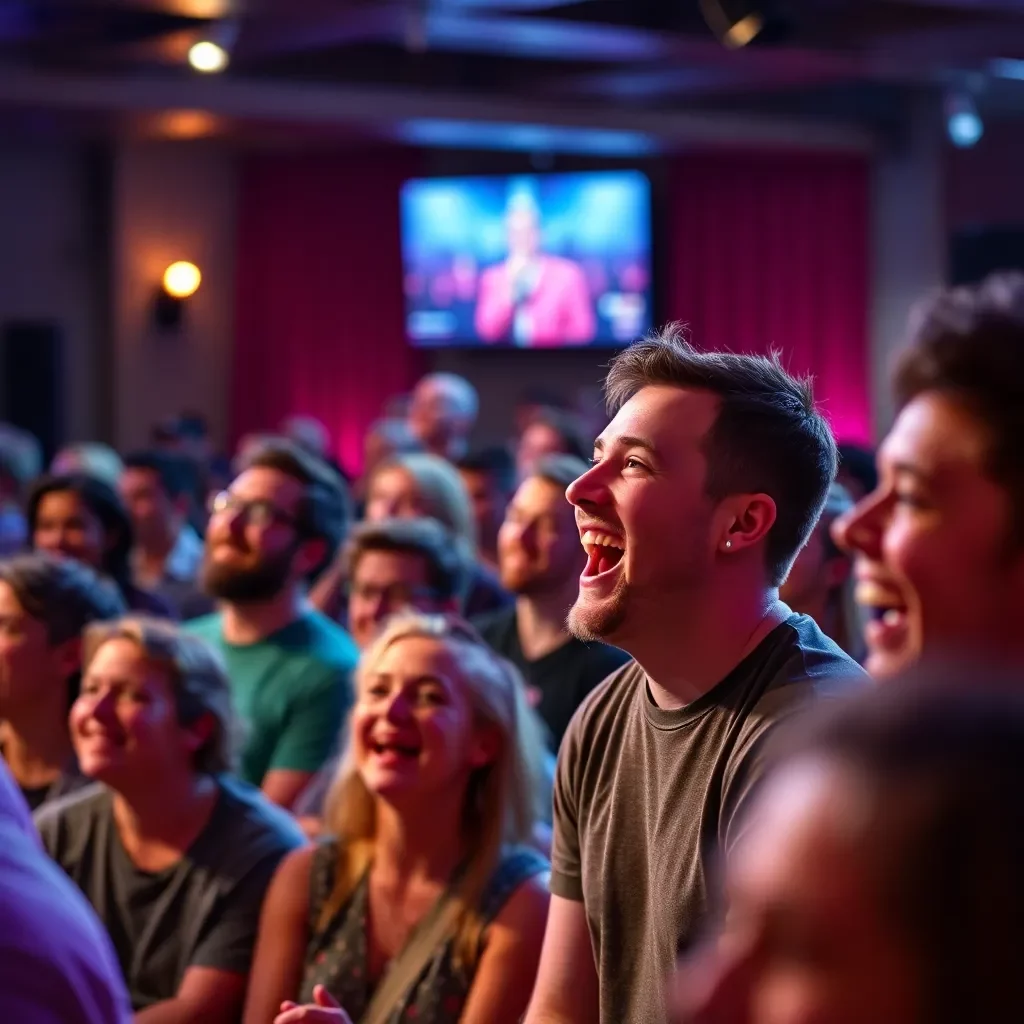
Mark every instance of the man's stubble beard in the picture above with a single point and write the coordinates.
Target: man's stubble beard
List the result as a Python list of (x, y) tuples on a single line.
[(596, 624), (260, 582)]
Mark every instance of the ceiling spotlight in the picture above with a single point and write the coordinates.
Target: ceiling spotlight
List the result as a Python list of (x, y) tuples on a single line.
[(738, 23), (963, 122), (208, 57)]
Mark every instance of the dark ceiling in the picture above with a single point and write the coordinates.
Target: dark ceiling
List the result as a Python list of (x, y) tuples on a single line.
[(391, 62)]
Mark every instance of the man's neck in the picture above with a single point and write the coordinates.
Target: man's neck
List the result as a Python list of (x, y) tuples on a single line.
[(37, 745), (160, 822), (151, 555), (251, 622), (685, 656), (540, 620)]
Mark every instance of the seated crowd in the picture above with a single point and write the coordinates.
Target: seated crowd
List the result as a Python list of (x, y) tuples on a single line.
[(554, 731)]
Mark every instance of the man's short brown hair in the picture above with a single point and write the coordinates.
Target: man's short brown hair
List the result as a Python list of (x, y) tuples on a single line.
[(767, 436), (325, 510), (967, 343), (448, 574)]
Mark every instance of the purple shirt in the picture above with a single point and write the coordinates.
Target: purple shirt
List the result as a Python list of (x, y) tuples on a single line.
[(57, 965)]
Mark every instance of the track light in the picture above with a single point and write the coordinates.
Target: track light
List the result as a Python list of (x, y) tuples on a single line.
[(212, 54), (738, 23), (963, 122)]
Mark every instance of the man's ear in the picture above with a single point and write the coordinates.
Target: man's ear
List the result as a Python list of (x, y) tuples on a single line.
[(68, 656), (485, 746), (310, 554), (745, 521), (198, 733)]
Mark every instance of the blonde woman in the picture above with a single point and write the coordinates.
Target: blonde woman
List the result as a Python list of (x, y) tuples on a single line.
[(421, 485), (174, 856), (433, 812)]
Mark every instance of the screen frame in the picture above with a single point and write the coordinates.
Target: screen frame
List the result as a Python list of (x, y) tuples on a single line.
[(473, 344)]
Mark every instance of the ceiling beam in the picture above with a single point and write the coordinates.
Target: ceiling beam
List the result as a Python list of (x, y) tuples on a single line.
[(386, 109)]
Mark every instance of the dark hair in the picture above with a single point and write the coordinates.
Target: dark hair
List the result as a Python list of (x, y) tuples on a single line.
[(103, 502), (560, 470), (178, 474), (943, 763), (767, 436), (496, 461), (62, 594), (968, 343), (448, 574), (568, 427), (65, 596), (325, 510)]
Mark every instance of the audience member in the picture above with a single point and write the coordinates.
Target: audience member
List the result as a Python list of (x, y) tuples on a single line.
[(531, 401), (81, 517), (425, 485), (396, 565), (857, 472), (45, 603), (158, 489), (878, 877), (820, 584), (90, 458), (21, 461), (418, 902), (938, 546), (489, 476), (281, 521), (550, 432), (173, 854), (385, 439), (309, 434), (707, 482), (541, 561), (442, 414), (56, 962)]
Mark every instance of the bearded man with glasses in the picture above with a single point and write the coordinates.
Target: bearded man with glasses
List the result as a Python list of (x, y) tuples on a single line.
[(277, 526)]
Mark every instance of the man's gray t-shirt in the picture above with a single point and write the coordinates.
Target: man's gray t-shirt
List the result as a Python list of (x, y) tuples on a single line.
[(201, 912), (646, 799)]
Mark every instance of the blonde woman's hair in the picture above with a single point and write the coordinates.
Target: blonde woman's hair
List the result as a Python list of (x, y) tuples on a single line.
[(503, 798), (198, 678), (442, 492)]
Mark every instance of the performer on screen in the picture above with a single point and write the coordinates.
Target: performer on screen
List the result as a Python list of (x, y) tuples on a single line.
[(532, 298)]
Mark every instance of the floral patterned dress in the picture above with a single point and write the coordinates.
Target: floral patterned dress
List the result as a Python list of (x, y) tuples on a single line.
[(337, 955)]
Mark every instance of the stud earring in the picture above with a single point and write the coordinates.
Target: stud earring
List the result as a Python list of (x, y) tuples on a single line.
[(728, 543)]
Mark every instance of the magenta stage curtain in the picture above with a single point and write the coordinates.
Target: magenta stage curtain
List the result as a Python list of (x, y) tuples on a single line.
[(772, 251), (320, 323)]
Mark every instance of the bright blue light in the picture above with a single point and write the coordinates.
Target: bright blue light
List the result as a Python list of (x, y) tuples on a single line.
[(965, 128)]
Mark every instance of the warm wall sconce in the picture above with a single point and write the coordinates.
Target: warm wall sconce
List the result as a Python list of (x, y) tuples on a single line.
[(179, 283)]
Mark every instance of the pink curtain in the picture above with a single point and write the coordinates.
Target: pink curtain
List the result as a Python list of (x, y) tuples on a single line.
[(772, 251), (320, 322)]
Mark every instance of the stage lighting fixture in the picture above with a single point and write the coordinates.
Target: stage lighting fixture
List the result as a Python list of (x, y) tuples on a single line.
[(208, 57), (963, 122), (735, 23)]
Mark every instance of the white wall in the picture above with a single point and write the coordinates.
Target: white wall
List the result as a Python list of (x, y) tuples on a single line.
[(51, 262), (173, 201)]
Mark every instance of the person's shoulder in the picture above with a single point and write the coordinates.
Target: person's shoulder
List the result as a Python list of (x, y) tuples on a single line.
[(207, 627), (818, 661), (808, 666), (494, 625), (518, 866), (253, 823), (326, 642), (70, 818), (602, 708)]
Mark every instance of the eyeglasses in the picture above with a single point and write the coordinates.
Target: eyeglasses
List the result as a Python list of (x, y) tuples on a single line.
[(397, 595), (258, 512)]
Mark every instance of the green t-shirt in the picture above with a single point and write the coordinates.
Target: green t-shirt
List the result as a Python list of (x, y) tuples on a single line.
[(292, 691)]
